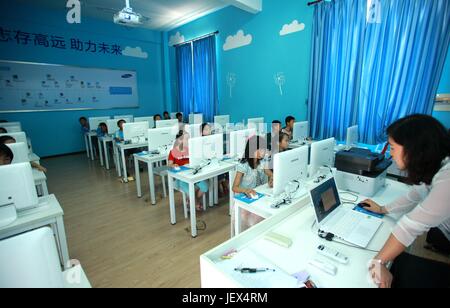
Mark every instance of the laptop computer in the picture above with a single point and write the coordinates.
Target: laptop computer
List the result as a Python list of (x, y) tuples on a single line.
[(346, 224)]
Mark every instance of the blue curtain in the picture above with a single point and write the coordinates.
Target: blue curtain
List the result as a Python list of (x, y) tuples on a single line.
[(374, 74), (338, 34), (185, 78), (197, 77), (403, 62), (205, 78)]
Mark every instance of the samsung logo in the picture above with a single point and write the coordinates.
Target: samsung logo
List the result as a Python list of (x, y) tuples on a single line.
[(126, 76), (325, 149), (294, 160)]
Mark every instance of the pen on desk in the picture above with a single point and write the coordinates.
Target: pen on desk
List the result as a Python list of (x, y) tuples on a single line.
[(253, 270)]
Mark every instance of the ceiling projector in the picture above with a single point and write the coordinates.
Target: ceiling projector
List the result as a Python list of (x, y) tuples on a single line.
[(127, 17)]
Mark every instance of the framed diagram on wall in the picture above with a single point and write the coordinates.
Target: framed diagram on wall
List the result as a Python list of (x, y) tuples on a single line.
[(442, 102), (31, 87)]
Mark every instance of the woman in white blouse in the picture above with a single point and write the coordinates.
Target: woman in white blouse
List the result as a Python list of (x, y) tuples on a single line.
[(419, 145)]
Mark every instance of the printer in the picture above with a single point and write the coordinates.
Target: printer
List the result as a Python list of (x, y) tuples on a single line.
[(361, 171)]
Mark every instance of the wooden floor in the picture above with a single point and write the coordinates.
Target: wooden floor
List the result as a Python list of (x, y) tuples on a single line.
[(123, 241)]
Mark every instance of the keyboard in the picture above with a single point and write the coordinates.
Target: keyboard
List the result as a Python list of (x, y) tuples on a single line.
[(344, 223)]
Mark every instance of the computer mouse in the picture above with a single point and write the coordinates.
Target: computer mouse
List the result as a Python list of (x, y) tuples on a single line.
[(254, 197), (177, 168), (364, 205)]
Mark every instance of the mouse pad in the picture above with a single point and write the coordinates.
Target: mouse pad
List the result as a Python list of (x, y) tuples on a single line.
[(364, 211), (245, 199), (183, 168)]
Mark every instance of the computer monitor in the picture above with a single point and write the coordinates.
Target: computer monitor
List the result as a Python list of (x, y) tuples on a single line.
[(204, 148), (352, 136), (167, 123), (128, 117), (17, 186), (194, 130), (322, 153), (161, 139), (229, 127), (17, 123), (12, 127), (30, 260), (150, 120), (112, 127), (216, 128), (222, 120), (238, 142), (20, 151), (95, 122), (196, 118), (300, 132), (19, 137), (289, 166), (135, 132), (258, 124)]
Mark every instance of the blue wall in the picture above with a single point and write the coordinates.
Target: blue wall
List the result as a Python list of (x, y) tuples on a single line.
[(255, 92), (444, 88), (54, 133)]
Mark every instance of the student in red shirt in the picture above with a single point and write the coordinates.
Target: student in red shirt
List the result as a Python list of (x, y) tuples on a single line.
[(178, 157)]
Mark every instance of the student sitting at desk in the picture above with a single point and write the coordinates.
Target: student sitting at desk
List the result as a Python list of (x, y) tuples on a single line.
[(84, 125), (251, 173), (6, 155), (3, 130), (119, 134), (289, 129), (8, 140), (272, 137), (179, 117), (224, 186), (102, 130), (283, 143), (421, 146), (157, 117), (178, 157), (205, 130), (166, 115)]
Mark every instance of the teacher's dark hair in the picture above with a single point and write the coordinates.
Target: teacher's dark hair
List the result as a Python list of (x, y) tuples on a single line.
[(426, 143)]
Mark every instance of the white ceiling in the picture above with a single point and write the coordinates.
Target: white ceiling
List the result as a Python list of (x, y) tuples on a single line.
[(163, 14)]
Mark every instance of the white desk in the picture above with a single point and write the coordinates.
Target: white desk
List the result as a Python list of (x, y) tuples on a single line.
[(121, 148), (103, 150), (149, 159), (89, 147), (262, 207), (296, 222), (48, 213), (75, 278), (207, 173), (40, 180)]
